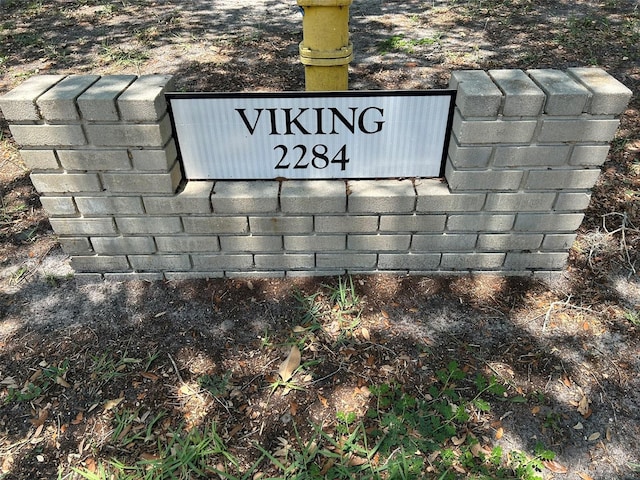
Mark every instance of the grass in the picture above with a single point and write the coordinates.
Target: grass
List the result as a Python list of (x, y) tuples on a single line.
[(401, 434), (399, 43)]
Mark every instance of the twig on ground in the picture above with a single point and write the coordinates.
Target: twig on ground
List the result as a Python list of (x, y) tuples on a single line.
[(175, 367)]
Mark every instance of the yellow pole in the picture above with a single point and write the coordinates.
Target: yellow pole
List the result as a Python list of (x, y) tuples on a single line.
[(325, 50)]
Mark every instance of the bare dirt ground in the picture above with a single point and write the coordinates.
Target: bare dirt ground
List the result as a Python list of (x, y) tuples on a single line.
[(85, 369)]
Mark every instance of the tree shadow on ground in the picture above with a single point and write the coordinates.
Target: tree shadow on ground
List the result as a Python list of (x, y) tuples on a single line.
[(498, 327)]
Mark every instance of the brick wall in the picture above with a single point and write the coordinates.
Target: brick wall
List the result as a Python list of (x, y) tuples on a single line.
[(525, 151)]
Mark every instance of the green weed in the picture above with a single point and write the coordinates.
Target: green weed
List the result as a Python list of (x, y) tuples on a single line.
[(40, 383), (399, 43)]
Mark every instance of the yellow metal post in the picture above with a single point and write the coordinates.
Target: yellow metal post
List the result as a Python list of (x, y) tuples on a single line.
[(325, 50)]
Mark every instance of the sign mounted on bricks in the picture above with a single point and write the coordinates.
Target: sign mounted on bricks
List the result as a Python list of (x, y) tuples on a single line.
[(310, 135)]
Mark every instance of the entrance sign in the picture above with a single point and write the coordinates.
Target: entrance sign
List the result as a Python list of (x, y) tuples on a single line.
[(311, 135)]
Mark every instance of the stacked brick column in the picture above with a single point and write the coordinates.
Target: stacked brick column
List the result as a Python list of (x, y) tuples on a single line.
[(525, 151), (534, 143)]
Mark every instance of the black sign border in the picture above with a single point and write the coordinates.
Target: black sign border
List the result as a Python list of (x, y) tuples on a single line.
[(169, 96)]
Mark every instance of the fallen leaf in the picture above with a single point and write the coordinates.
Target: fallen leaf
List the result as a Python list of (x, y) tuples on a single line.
[(78, 419), (62, 382), (578, 426), (365, 333), (584, 476), (583, 405), (90, 463), (607, 434), (323, 401), (42, 417), (158, 315), (594, 436), (290, 364), (499, 433), (150, 376), (477, 450), (458, 441), (566, 381), (356, 461), (293, 408), (535, 410), (111, 404), (149, 457), (554, 466), (384, 314), (299, 329)]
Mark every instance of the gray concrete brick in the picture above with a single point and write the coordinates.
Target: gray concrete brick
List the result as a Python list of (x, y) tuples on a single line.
[(378, 243), (314, 243), (59, 102), (565, 96), (381, 196), (480, 223), (574, 202), (245, 197), (285, 261), (346, 223), (315, 273), (548, 222), (194, 198), (133, 276), (346, 260), (519, 202), (588, 155), (123, 245), (75, 245), (531, 155), (316, 196), (138, 135), (48, 135), (130, 182), (561, 179), (149, 225), (109, 205), (188, 243), (527, 261), (583, 130), (434, 196), (144, 99), (58, 205), (608, 95), (40, 159), (251, 243), (280, 225), (100, 263), (483, 132), (558, 241), (466, 180), (83, 279), (66, 182), (83, 226), (216, 225), (472, 261), (501, 242), (468, 157), (98, 102), (408, 261), (412, 223), (160, 262), (477, 95), (160, 160), (94, 159), (19, 104), (522, 97), (222, 262), (255, 274), (184, 276), (451, 242)]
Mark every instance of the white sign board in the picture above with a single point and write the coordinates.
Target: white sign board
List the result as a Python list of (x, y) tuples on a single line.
[(304, 135)]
